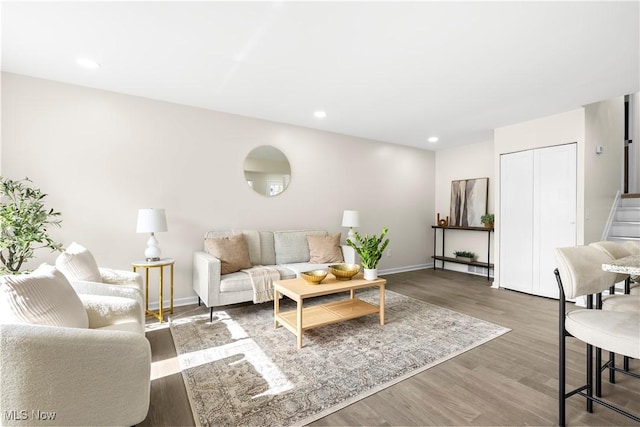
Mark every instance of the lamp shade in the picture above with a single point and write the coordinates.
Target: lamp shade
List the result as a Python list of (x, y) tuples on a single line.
[(151, 221), (351, 219)]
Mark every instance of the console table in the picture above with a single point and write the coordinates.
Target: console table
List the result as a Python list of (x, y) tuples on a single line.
[(444, 259)]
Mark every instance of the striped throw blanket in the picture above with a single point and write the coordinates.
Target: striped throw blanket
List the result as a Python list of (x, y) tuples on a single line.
[(262, 281)]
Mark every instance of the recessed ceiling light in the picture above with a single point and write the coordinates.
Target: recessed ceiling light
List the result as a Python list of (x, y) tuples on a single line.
[(433, 139), (320, 114), (88, 63)]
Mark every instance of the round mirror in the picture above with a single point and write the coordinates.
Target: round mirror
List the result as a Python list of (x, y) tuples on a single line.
[(267, 170)]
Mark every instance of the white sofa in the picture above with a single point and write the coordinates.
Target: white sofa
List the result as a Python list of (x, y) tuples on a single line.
[(285, 250), (65, 375)]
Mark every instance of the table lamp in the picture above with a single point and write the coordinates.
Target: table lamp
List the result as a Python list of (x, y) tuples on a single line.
[(351, 219), (152, 221)]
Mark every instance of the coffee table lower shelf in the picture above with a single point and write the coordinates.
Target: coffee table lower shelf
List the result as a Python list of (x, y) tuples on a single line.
[(326, 314)]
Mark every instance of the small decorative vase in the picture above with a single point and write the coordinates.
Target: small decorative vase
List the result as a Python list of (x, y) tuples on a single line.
[(370, 273)]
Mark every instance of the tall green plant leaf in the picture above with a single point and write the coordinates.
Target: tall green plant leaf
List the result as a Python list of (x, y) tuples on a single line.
[(23, 223)]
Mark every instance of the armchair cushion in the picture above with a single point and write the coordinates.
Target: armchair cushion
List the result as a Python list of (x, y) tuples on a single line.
[(232, 252), (43, 297), (325, 249), (77, 263), (113, 311)]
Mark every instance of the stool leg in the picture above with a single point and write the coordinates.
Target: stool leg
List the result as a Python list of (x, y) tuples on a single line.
[(598, 372), (561, 379), (210, 314), (589, 377), (612, 364)]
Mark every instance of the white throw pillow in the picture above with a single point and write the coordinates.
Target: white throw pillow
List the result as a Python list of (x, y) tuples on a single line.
[(77, 263), (43, 297)]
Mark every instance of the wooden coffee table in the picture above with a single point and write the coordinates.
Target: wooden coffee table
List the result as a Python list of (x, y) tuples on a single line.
[(301, 319)]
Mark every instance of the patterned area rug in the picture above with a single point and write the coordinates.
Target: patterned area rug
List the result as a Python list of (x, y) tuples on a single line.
[(239, 370)]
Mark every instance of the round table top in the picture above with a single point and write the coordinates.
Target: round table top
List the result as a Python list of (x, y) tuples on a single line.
[(627, 265), (160, 263)]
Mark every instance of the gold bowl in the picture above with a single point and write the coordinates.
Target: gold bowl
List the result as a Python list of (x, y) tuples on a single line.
[(344, 271), (314, 277)]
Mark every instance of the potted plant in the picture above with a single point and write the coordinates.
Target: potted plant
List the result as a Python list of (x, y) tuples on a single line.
[(23, 224), (487, 220), (370, 249), (465, 256)]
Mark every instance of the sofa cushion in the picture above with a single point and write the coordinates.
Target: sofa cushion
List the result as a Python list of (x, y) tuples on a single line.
[(267, 248), (292, 247), (325, 249), (232, 252), (77, 263), (43, 297), (252, 237)]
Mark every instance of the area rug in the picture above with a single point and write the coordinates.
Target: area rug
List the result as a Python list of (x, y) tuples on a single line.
[(240, 371)]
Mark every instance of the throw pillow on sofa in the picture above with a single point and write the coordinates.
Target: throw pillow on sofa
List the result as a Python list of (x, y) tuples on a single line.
[(232, 251), (43, 297), (325, 249), (77, 263)]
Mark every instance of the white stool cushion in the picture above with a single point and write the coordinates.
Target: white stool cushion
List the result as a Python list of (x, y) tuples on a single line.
[(77, 263), (625, 303), (610, 330), (43, 297)]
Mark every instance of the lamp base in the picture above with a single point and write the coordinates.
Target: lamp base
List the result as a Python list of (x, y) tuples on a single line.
[(152, 253)]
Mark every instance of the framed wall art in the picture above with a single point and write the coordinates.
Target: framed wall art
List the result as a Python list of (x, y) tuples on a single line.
[(468, 202)]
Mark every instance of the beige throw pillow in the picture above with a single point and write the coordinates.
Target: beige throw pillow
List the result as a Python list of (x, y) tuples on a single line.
[(232, 252), (325, 249), (77, 263), (43, 297)]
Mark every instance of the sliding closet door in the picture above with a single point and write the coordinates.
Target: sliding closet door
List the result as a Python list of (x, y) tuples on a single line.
[(554, 202), (516, 221)]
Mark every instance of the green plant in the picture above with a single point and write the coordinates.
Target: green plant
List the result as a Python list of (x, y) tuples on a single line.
[(465, 254), (23, 223), (370, 248), (487, 218)]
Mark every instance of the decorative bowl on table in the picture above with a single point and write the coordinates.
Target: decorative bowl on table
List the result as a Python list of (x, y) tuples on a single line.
[(344, 271), (314, 277)]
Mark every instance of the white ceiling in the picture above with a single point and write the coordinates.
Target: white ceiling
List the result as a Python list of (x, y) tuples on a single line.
[(397, 72)]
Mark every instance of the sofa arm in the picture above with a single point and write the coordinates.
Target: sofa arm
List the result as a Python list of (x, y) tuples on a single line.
[(206, 278), (112, 310), (73, 376), (349, 254)]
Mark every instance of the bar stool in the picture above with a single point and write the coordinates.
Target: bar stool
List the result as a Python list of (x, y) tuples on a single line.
[(580, 273)]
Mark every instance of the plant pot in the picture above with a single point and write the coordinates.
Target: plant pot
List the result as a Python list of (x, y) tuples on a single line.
[(370, 273), (464, 258), (488, 225)]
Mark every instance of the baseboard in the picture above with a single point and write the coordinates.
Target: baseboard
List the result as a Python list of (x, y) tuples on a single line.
[(153, 306), (404, 269)]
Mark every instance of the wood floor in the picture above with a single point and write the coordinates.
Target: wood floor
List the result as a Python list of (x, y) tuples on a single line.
[(509, 381)]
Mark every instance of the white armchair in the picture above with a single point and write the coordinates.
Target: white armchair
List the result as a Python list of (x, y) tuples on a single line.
[(62, 375), (78, 265)]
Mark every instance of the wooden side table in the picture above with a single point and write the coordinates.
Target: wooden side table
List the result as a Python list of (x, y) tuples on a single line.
[(161, 264)]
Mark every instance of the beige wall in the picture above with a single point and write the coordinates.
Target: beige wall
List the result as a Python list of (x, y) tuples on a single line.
[(101, 156), (464, 162), (548, 131), (604, 173), (599, 176)]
